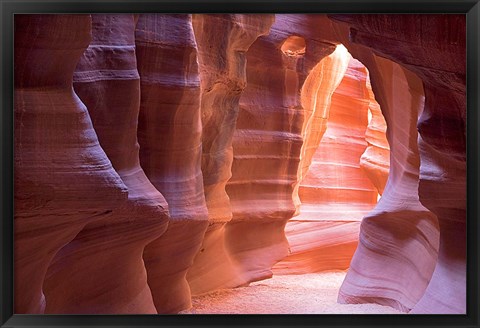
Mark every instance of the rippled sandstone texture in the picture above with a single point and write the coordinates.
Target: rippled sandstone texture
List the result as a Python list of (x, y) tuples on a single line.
[(56, 147), (107, 81), (267, 143), (246, 96), (425, 56), (222, 61), (170, 137), (336, 193)]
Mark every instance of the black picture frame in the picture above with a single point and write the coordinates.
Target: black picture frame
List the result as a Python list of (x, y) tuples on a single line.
[(10, 7)]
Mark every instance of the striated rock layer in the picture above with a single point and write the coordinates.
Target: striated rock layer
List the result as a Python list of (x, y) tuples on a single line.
[(107, 81), (399, 218), (316, 97), (335, 193), (230, 112), (432, 48), (63, 178), (375, 161), (170, 132), (267, 144), (222, 63)]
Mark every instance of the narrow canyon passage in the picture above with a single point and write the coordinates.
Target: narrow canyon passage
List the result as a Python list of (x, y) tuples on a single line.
[(237, 163), (342, 183), (347, 173)]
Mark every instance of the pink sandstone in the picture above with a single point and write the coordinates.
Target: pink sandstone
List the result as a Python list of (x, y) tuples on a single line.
[(335, 193), (107, 81), (63, 178), (230, 143), (170, 132), (440, 64), (222, 63)]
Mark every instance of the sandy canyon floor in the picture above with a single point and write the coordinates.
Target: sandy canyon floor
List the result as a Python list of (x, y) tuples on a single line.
[(314, 293)]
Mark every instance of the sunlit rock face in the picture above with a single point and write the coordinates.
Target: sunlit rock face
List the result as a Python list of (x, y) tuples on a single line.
[(316, 97), (375, 161), (107, 82), (161, 155), (222, 62), (432, 49), (267, 144), (336, 193)]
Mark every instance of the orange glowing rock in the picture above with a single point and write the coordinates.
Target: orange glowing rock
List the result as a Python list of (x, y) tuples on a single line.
[(415, 225), (243, 122), (222, 64), (267, 144), (335, 193)]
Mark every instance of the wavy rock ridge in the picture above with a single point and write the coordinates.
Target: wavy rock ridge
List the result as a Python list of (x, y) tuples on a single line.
[(159, 156), (420, 60), (222, 60)]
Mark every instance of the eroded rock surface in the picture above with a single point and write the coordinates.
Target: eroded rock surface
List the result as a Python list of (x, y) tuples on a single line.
[(432, 49), (107, 81), (63, 178), (240, 120), (222, 59), (170, 137), (267, 144), (335, 193)]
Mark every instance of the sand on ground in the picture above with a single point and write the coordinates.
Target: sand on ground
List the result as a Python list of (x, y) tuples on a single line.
[(313, 293)]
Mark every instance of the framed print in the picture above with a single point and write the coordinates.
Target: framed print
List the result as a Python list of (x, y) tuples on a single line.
[(238, 163)]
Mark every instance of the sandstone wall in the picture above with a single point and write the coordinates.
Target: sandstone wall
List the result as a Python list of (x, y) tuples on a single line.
[(63, 178), (170, 137), (107, 81), (160, 155), (267, 143), (431, 50), (336, 193), (222, 61)]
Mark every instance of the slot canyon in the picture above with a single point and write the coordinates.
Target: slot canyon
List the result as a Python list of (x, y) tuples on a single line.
[(164, 161)]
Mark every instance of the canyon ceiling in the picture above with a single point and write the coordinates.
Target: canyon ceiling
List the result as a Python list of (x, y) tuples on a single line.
[(162, 156)]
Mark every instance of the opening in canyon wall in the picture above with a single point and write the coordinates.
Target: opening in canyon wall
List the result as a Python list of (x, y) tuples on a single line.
[(344, 165)]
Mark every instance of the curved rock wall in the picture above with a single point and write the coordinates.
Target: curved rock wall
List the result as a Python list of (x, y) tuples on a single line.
[(170, 132), (399, 218), (108, 224), (433, 48), (107, 81), (267, 144), (335, 193), (375, 161), (316, 98), (63, 178), (222, 62)]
